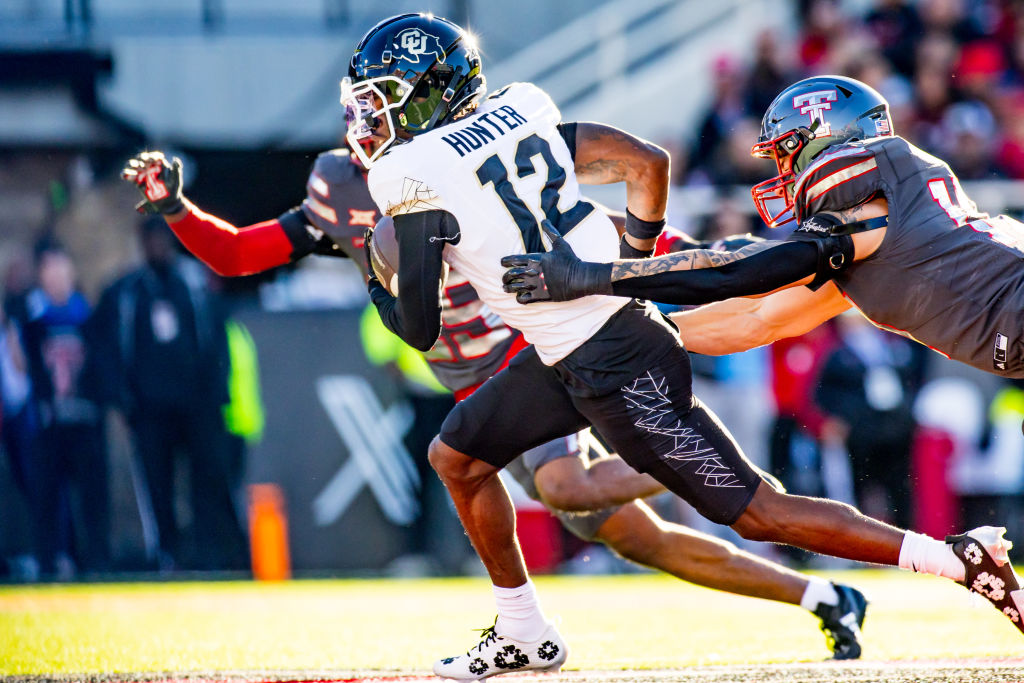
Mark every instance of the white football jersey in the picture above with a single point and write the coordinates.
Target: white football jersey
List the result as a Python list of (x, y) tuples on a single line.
[(500, 171)]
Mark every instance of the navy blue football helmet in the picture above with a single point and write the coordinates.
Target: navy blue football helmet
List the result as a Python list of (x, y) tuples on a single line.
[(804, 120), (417, 71)]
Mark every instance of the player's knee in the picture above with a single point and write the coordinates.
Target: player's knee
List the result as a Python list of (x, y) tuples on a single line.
[(571, 494), (555, 493), (455, 468), (758, 521), (444, 459), (635, 534)]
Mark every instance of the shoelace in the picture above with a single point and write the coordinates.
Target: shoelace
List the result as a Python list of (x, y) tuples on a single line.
[(487, 636)]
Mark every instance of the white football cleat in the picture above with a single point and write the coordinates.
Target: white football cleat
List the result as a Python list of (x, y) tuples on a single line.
[(984, 553), (495, 655)]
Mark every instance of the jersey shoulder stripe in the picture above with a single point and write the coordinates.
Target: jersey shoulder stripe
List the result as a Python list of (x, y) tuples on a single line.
[(828, 183), (320, 209), (838, 177)]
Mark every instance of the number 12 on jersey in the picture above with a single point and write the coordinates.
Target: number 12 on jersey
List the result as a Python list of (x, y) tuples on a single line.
[(493, 171)]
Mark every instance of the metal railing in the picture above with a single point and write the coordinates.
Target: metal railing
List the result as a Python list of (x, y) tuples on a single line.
[(600, 47)]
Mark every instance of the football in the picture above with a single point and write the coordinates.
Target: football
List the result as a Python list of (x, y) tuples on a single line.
[(384, 254)]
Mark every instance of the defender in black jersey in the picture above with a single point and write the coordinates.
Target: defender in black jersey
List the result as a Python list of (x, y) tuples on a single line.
[(895, 236)]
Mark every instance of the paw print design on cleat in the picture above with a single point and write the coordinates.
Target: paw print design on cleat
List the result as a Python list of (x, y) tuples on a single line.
[(496, 654), (510, 657), (548, 650), (841, 623), (988, 572)]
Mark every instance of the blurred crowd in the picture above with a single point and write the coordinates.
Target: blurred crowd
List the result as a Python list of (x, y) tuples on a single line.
[(154, 350), (848, 410), (952, 71)]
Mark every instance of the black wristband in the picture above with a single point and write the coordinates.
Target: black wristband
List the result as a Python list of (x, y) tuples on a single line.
[(627, 250), (643, 230)]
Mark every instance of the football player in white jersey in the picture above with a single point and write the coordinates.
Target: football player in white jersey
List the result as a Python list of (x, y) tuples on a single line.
[(468, 180), (589, 492)]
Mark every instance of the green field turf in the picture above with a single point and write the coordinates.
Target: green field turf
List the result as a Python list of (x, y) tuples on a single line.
[(618, 622)]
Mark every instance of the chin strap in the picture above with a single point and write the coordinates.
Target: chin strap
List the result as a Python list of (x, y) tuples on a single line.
[(446, 100), (861, 226)]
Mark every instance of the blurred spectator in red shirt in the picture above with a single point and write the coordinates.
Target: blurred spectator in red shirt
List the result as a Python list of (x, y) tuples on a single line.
[(979, 70), (793, 449), (825, 24)]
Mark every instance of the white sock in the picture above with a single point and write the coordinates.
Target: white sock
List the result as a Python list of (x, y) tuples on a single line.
[(927, 555), (519, 613), (818, 591)]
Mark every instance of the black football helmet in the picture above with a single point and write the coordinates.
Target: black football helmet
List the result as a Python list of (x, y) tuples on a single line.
[(804, 120), (416, 70)]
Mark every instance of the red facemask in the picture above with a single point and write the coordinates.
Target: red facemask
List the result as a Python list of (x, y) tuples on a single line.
[(783, 150)]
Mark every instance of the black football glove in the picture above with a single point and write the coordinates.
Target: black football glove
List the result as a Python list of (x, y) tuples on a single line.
[(158, 180), (556, 275)]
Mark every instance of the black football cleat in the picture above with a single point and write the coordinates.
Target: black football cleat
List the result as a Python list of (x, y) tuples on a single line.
[(989, 573), (841, 623)]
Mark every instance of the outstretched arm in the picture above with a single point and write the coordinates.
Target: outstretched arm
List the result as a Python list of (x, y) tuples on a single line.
[(230, 250), (699, 276), (811, 256), (227, 249), (739, 324)]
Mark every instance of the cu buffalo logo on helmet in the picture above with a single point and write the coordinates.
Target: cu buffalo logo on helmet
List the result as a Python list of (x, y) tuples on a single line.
[(414, 43)]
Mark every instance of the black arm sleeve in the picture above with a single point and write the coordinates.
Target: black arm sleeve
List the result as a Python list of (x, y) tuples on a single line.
[(415, 315), (568, 133), (768, 269)]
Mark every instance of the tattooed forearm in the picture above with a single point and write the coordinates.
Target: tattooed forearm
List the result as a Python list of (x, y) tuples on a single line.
[(693, 259), (847, 215)]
